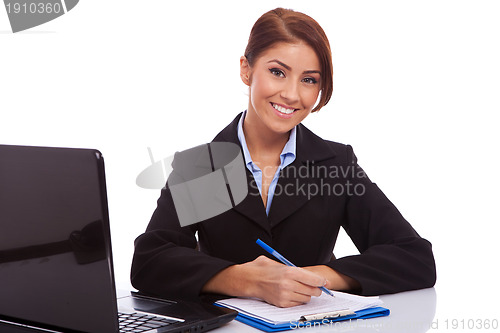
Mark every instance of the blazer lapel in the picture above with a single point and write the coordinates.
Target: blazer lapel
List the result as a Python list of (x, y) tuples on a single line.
[(298, 182), (253, 207)]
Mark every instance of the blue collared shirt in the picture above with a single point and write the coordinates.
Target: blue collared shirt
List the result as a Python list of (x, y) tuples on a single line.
[(287, 156)]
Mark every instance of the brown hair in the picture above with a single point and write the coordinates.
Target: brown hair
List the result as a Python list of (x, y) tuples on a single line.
[(288, 26)]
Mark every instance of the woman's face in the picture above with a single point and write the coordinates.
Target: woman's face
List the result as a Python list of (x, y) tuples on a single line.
[(284, 86)]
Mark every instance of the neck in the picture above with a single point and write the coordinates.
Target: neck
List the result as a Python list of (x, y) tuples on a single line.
[(263, 142)]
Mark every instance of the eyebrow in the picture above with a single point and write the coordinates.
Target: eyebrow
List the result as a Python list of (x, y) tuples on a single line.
[(289, 68)]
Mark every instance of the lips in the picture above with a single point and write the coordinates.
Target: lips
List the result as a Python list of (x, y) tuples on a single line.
[(283, 109)]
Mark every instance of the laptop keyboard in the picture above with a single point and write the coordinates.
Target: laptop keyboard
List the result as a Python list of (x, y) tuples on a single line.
[(138, 322)]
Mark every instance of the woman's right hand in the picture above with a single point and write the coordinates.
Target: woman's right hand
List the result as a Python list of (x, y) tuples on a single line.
[(264, 278)]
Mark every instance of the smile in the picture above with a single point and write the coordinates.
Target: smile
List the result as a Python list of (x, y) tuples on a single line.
[(283, 109)]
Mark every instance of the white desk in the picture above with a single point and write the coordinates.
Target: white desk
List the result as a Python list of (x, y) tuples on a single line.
[(411, 312)]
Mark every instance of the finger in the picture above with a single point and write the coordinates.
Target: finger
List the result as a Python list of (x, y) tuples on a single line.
[(292, 299), (308, 278), (290, 285), (265, 261), (307, 290), (306, 283)]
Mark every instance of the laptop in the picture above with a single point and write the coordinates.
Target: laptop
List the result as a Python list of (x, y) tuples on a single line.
[(56, 267)]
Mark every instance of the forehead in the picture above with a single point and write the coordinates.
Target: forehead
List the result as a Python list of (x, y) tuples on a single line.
[(299, 56)]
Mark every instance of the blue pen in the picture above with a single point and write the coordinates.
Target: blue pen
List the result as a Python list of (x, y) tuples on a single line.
[(285, 261)]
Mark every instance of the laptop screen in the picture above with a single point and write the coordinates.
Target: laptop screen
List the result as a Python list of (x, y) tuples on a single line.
[(55, 254)]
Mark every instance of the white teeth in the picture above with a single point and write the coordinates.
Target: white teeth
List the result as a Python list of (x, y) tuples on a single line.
[(282, 109)]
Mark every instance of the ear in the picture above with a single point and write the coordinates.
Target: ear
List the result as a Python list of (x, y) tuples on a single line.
[(245, 70)]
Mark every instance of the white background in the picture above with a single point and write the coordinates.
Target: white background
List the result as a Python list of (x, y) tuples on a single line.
[(416, 92)]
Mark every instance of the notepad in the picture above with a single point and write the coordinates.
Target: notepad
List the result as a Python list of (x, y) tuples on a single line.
[(324, 308)]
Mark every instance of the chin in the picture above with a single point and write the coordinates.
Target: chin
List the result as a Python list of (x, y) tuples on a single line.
[(281, 129)]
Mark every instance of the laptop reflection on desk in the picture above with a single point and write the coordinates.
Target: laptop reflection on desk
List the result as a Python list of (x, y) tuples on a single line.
[(56, 268)]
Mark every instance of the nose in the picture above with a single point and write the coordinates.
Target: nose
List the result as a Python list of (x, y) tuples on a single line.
[(290, 92)]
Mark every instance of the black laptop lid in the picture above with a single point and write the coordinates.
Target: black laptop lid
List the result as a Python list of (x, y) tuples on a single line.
[(55, 263)]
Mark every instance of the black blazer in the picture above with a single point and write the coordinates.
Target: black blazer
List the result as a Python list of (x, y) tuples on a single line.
[(322, 190)]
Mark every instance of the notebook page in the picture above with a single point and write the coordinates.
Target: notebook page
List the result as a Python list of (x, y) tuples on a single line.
[(324, 303)]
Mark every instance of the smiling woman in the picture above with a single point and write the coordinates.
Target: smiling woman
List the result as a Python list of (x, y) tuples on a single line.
[(287, 66)]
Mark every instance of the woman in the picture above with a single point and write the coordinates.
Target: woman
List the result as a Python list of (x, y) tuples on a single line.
[(302, 189)]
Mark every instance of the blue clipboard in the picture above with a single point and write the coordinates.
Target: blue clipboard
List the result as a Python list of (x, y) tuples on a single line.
[(268, 327)]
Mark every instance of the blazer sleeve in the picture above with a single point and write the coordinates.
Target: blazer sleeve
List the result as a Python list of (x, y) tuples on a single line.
[(166, 260), (393, 257)]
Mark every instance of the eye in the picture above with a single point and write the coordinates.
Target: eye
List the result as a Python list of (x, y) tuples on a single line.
[(277, 72), (309, 80)]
